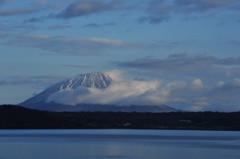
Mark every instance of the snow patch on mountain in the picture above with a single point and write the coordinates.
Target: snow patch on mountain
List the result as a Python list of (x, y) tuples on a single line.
[(96, 80)]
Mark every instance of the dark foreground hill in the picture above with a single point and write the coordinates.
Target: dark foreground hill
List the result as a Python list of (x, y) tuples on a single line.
[(15, 117)]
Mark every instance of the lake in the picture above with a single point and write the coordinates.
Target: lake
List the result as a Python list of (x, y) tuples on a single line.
[(119, 144)]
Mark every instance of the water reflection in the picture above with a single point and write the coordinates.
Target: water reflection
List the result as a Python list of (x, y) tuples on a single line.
[(119, 144)]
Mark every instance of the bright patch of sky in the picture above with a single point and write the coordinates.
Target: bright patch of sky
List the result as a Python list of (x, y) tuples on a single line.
[(165, 40)]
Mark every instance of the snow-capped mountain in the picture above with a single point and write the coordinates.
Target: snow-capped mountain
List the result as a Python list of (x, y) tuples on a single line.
[(98, 81), (95, 80)]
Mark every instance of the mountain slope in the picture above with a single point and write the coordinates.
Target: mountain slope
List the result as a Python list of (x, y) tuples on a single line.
[(96, 79)]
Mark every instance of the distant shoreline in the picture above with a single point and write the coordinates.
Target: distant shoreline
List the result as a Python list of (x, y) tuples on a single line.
[(16, 117)]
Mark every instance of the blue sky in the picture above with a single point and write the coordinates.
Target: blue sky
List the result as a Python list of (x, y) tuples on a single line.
[(190, 46)]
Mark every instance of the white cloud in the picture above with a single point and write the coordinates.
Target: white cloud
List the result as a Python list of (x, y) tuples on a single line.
[(124, 92), (197, 84), (120, 92), (69, 96), (106, 41), (71, 45), (187, 95), (116, 75)]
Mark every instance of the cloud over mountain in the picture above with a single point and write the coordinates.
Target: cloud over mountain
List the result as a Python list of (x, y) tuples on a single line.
[(192, 95), (120, 92)]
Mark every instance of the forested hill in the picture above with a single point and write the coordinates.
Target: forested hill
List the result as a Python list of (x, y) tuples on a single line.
[(15, 117)]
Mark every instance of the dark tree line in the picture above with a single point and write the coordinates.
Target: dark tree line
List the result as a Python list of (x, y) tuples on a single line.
[(15, 117)]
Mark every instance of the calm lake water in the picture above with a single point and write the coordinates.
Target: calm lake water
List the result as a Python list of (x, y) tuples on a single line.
[(118, 144)]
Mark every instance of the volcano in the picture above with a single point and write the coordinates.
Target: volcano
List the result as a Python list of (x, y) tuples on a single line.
[(96, 80)]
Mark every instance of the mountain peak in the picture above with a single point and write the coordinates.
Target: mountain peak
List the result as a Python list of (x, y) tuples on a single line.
[(94, 79)]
